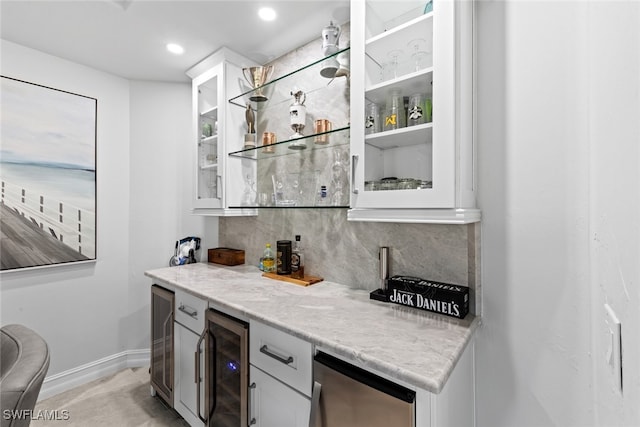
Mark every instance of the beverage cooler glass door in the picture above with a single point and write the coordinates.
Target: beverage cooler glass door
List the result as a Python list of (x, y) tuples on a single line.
[(208, 172), (162, 303), (227, 371)]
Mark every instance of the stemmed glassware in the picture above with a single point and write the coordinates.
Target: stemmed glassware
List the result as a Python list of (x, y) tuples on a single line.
[(420, 55), (249, 196), (391, 67)]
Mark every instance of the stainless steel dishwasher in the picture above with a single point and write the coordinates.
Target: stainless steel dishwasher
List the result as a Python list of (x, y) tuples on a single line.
[(347, 396)]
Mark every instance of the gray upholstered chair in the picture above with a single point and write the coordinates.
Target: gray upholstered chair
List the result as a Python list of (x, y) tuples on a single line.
[(24, 361)]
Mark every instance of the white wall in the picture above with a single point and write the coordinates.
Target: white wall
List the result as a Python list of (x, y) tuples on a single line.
[(78, 309), (94, 311), (558, 106), (160, 198), (613, 43)]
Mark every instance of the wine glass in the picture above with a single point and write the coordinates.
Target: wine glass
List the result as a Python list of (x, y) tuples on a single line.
[(249, 196), (394, 56), (420, 54)]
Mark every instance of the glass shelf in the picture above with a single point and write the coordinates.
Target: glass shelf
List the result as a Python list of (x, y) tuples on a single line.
[(336, 137), (274, 98), (290, 207), (209, 166), (209, 139), (211, 113)]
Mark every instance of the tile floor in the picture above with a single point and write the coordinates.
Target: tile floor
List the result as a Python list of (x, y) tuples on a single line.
[(121, 400)]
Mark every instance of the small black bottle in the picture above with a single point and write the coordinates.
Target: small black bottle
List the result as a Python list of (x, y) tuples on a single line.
[(283, 256)]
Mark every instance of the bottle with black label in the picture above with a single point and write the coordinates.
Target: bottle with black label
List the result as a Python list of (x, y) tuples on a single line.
[(297, 260)]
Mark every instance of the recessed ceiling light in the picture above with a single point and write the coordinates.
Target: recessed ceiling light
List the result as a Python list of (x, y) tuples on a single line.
[(267, 14), (175, 48)]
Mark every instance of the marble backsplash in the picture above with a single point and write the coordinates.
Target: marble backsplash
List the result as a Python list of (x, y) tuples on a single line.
[(347, 252), (336, 249)]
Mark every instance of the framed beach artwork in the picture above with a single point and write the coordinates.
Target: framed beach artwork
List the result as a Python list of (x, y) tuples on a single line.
[(48, 176)]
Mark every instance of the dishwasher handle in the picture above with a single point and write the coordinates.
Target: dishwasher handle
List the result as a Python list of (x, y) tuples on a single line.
[(367, 378), (315, 405)]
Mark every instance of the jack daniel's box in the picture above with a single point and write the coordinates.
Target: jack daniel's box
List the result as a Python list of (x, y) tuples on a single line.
[(443, 298)]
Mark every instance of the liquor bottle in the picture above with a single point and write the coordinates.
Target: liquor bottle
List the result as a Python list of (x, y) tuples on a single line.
[(268, 260), (283, 257), (297, 260)]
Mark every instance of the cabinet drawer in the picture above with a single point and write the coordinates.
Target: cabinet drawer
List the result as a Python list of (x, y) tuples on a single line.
[(281, 355), (190, 311)]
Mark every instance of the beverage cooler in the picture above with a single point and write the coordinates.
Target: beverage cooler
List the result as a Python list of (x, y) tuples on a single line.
[(226, 373)]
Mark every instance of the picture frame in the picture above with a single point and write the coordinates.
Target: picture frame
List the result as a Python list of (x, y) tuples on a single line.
[(48, 182)]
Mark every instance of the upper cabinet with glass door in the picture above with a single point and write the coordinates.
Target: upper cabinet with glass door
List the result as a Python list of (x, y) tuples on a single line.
[(411, 125), (219, 181)]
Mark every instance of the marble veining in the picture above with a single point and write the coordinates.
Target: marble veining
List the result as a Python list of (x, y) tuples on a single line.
[(339, 250), (413, 346)]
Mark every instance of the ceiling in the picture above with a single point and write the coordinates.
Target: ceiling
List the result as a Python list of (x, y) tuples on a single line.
[(128, 37)]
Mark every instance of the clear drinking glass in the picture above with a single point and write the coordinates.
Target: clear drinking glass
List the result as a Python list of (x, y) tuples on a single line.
[(391, 67), (415, 113), (394, 115), (372, 119), (419, 54)]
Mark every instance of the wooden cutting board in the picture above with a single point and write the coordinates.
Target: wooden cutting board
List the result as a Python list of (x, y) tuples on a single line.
[(306, 281)]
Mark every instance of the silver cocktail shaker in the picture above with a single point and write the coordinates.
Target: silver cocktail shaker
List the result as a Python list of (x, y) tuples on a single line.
[(383, 256)]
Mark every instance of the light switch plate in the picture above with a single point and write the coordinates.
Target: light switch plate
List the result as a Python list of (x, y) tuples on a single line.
[(613, 343)]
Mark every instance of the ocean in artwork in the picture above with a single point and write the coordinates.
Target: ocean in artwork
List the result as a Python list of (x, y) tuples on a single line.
[(73, 187)]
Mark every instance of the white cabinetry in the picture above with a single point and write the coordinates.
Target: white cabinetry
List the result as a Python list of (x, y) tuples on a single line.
[(219, 180), (454, 406), (273, 404), (280, 378), (399, 48), (189, 349)]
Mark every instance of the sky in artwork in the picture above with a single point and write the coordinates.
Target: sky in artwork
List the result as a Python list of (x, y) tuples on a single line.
[(46, 126)]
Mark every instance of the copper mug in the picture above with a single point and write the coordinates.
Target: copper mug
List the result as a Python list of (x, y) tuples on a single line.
[(268, 139), (321, 126)]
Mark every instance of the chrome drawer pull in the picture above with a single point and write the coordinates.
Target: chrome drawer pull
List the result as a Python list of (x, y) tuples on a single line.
[(252, 390), (188, 311), (264, 349)]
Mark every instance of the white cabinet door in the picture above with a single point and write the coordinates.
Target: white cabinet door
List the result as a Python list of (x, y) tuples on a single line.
[(185, 393), (282, 355), (273, 404), (416, 164), (220, 182), (207, 91)]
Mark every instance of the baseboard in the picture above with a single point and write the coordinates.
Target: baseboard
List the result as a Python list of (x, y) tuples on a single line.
[(83, 374)]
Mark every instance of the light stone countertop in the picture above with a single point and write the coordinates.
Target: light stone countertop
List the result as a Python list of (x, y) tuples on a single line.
[(411, 345)]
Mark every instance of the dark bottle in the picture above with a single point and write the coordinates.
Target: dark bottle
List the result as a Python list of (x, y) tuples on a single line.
[(297, 260), (283, 258)]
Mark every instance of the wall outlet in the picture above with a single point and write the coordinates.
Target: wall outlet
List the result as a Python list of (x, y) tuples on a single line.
[(613, 343)]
